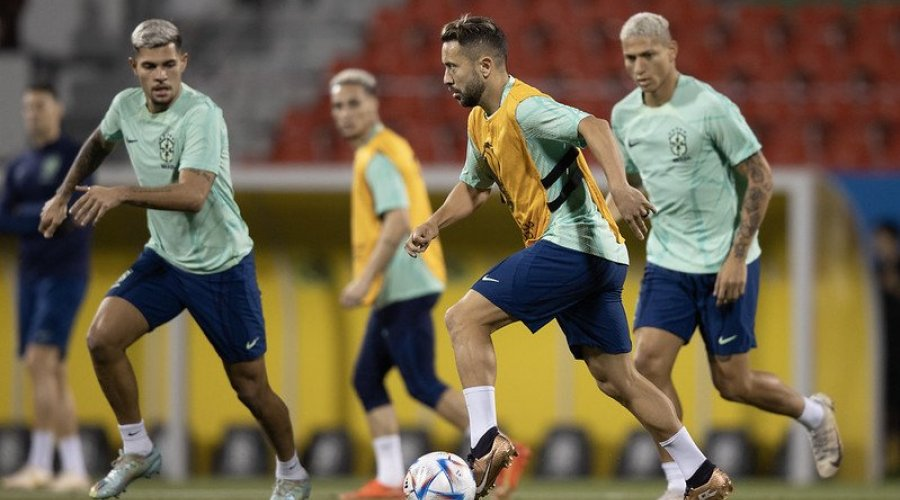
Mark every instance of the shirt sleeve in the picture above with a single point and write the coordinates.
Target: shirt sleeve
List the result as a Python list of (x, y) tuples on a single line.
[(541, 117), (476, 171), (730, 132), (203, 140), (110, 126), (386, 184)]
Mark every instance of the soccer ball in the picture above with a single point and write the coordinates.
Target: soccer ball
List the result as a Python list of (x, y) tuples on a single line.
[(439, 476)]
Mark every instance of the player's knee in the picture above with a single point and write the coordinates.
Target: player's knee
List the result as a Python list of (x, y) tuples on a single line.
[(248, 390), (731, 388), (645, 364), (454, 318), (610, 388), (100, 345), (651, 367), (604, 382), (426, 391), (458, 320), (40, 367), (366, 385)]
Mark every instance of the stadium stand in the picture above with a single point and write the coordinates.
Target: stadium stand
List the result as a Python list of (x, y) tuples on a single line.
[(811, 78)]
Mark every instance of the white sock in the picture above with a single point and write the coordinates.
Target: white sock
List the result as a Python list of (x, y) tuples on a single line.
[(40, 455), (684, 451), (388, 460), (290, 470), (135, 439), (674, 477), (71, 456), (813, 414), (482, 411)]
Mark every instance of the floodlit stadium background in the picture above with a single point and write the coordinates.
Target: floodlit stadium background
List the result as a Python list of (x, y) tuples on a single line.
[(817, 81)]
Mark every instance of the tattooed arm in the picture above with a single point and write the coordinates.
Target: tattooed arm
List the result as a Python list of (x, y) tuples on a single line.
[(756, 200), (187, 195), (732, 277), (92, 153)]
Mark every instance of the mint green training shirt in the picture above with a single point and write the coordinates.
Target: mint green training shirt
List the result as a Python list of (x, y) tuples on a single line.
[(190, 134), (685, 152), (404, 278)]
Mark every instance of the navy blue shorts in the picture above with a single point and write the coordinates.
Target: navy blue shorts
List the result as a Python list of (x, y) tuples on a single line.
[(226, 305), (581, 291), (47, 309), (678, 302), (402, 335)]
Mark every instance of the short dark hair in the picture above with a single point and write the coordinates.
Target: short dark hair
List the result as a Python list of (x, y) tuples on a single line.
[(42, 87), (477, 32)]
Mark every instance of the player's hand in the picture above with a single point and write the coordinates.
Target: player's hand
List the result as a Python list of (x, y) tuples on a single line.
[(353, 294), (634, 208), (420, 238), (731, 282), (94, 203), (53, 214)]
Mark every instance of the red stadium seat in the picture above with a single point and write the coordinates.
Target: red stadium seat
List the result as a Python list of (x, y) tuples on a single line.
[(886, 102), (881, 138), (890, 155), (757, 42), (820, 39), (845, 145), (817, 82), (785, 142), (292, 138), (876, 44)]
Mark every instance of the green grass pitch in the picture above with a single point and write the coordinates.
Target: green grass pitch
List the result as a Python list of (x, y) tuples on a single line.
[(746, 489)]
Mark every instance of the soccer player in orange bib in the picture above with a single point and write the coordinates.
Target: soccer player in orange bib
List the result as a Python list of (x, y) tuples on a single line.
[(574, 262)]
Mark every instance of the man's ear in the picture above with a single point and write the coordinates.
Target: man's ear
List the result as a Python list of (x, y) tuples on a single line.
[(486, 66)]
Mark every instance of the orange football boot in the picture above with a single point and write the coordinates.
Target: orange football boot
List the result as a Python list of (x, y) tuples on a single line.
[(508, 479), (374, 490)]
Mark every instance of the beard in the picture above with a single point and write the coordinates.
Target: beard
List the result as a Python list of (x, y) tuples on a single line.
[(471, 95)]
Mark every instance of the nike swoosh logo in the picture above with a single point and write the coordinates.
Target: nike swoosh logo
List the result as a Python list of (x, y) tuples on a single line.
[(488, 278), (632, 144), (135, 433), (252, 343), (131, 141), (725, 340), (487, 472)]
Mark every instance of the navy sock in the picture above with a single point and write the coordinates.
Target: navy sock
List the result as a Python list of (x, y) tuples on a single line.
[(702, 475), (484, 444)]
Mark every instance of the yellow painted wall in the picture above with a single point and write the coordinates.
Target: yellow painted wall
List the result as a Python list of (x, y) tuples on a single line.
[(301, 245)]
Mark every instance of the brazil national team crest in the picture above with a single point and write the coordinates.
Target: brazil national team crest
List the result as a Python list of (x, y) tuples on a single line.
[(167, 149), (678, 143)]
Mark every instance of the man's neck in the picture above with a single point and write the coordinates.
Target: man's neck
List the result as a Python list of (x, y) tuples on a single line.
[(38, 141), (360, 140), (493, 93), (664, 93)]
